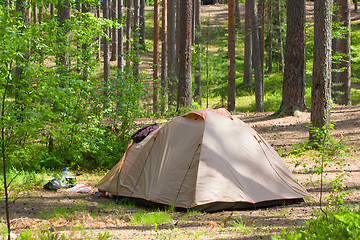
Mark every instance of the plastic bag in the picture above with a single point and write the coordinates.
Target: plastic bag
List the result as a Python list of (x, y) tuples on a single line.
[(81, 188)]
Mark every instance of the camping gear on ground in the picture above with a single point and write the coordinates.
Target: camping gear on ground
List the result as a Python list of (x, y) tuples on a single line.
[(81, 188), (53, 185), (67, 180), (207, 160)]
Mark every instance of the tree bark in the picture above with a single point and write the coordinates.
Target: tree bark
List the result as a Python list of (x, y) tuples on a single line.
[(270, 39), (106, 45), (184, 88), (156, 58), (120, 57), (238, 15), (279, 35), (197, 42), (114, 37), (293, 97), (128, 32), (231, 55), (259, 96), (136, 36), (64, 14), (345, 75), (247, 46), (164, 80), (335, 74), (171, 52), (321, 86), (142, 25)]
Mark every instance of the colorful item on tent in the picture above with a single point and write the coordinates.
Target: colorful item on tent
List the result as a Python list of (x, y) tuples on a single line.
[(143, 132), (207, 160)]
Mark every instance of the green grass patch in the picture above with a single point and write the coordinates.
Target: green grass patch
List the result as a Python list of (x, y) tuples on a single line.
[(151, 218)]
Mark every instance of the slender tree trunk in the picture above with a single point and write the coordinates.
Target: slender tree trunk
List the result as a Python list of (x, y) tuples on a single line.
[(321, 87), (136, 60), (259, 96), (86, 56), (41, 9), (171, 52), (355, 6), (238, 15), (106, 46), (34, 12), (335, 75), (197, 42), (120, 57), (164, 79), (231, 55), (184, 89), (345, 75), (293, 97), (270, 38), (52, 10), (156, 58), (261, 12), (128, 32), (142, 25), (247, 50), (64, 14), (114, 37), (279, 35), (178, 38)]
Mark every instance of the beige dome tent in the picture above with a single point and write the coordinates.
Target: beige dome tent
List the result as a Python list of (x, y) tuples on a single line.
[(207, 160)]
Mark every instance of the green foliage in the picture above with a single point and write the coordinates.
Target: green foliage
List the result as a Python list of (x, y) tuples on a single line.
[(343, 223)]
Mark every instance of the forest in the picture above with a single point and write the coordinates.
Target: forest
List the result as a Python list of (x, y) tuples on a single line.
[(79, 77)]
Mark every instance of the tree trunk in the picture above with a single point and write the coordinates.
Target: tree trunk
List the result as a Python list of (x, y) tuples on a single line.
[(86, 56), (106, 46), (238, 15), (136, 60), (184, 88), (259, 96), (293, 97), (355, 6), (345, 75), (270, 39), (142, 25), (178, 38), (114, 37), (247, 50), (156, 58), (64, 14), (171, 52), (335, 74), (231, 55), (197, 42), (120, 60), (321, 86), (164, 57), (279, 35), (128, 32), (261, 12)]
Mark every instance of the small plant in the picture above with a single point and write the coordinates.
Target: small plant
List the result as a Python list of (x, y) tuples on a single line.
[(343, 223)]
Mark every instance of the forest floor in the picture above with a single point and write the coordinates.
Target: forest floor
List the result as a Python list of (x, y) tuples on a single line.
[(84, 216)]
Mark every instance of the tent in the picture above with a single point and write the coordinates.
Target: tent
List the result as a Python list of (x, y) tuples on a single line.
[(207, 160)]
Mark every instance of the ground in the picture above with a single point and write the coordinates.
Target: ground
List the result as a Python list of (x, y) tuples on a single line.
[(84, 216)]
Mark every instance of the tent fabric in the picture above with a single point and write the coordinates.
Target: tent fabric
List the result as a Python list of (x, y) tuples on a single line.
[(204, 160)]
